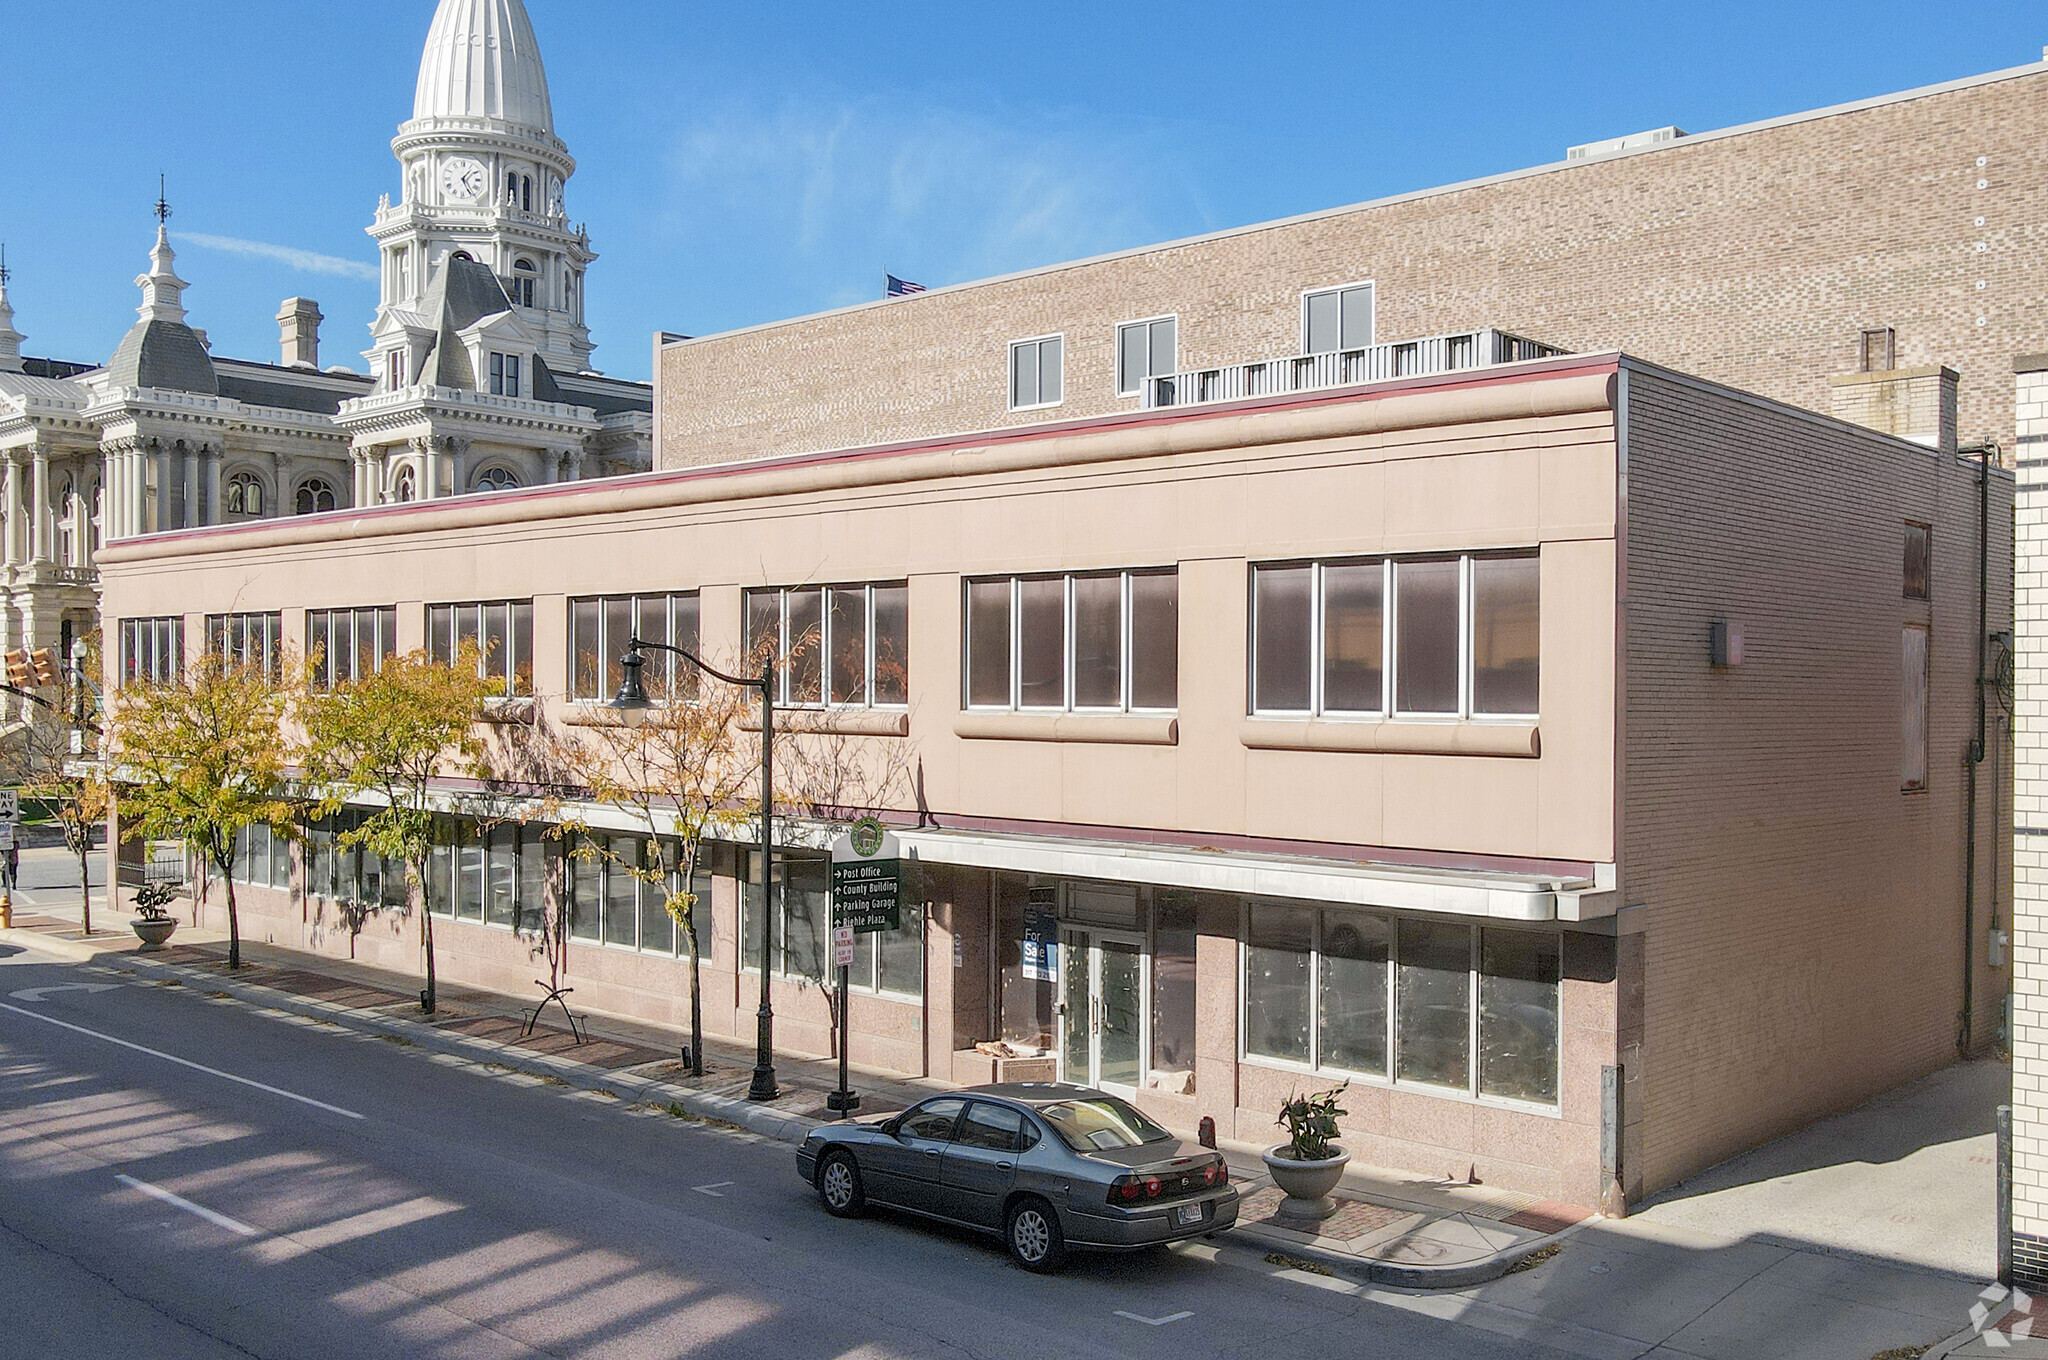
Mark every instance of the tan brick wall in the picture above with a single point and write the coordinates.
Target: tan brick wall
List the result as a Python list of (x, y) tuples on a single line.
[(1802, 945), (1752, 259), (2030, 802)]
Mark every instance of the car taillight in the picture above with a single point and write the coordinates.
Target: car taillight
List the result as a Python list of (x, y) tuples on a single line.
[(1152, 1187), (1131, 1189), (1213, 1174)]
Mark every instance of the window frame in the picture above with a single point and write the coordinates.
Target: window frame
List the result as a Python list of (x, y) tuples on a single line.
[(1925, 533), (444, 650), (1372, 323), (383, 620), (166, 650), (504, 374), (222, 629), (873, 643), (1125, 678), (1389, 709), (1391, 1078), (776, 944), (1915, 755), (1010, 372), (667, 664), (1124, 386)]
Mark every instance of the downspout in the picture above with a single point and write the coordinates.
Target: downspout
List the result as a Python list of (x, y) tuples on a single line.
[(1974, 757)]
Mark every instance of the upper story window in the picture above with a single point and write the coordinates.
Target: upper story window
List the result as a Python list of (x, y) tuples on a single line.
[(1144, 349), (1096, 640), (504, 375), (394, 369), (248, 641), (497, 479), (1035, 367), (315, 496), (600, 628), (348, 644), (1877, 350), (152, 649), (1434, 637), (522, 282), (502, 631), (846, 646), (1336, 319), (1919, 565), (243, 496), (404, 487)]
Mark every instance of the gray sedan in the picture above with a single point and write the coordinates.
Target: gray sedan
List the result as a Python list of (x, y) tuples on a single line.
[(1047, 1166)]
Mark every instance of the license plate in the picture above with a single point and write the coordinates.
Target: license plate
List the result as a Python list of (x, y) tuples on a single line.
[(1186, 1214)]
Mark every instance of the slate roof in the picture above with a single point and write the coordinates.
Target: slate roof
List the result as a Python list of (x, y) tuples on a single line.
[(294, 389), (166, 355)]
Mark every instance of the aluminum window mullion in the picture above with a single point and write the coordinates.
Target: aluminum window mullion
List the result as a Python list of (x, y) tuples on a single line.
[(1317, 587), (1388, 632), (1472, 1014), (868, 606), (1126, 651), (1315, 992), (1016, 643), (1068, 631), (1465, 649)]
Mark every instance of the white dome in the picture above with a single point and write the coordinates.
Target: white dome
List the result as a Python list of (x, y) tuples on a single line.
[(482, 62)]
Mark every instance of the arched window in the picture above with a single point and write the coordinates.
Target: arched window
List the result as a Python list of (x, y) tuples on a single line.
[(403, 488), (526, 193), (244, 496), (511, 190), (496, 479), (522, 282), (461, 255), (315, 496)]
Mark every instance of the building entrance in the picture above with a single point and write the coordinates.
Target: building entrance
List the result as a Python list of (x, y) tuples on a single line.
[(1102, 1009)]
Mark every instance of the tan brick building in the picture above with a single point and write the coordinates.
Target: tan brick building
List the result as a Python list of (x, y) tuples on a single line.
[(1755, 256)]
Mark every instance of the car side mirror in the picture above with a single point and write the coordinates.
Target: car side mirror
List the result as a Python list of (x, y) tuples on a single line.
[(892, 1127)]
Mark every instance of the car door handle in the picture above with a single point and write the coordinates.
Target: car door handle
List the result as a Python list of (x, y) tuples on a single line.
[(931, 1152), (1006, 1166)]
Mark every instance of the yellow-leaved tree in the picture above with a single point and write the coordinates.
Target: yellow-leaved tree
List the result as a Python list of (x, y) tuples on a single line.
[(201, 757), (392, 738)]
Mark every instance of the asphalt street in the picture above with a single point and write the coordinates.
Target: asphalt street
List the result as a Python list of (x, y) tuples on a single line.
[(183, 1175)]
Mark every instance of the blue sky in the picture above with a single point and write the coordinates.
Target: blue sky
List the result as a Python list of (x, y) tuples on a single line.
[(739, 163)]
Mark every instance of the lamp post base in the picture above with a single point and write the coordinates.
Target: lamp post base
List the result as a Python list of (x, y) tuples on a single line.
[(842, 1102), (763, 1085)]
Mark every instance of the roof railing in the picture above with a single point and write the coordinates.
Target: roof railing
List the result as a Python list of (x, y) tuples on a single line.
[(1448, 353)]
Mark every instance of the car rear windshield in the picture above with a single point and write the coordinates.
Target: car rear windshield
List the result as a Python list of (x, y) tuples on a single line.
[(1101, 1124)]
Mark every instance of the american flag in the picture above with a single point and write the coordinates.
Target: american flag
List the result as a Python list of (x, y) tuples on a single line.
[(902, 287)]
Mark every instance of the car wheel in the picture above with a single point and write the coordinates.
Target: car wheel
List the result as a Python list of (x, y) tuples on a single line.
[(839, 1186), (1036, 1242)]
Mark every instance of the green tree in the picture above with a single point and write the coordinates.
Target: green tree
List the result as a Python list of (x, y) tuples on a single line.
[(392, 737), (201, 758)]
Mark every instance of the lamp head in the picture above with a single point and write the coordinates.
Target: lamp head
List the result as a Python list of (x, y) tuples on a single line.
[(631, 702)]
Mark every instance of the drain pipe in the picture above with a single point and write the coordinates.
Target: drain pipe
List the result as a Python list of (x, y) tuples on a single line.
[(1974, 757)]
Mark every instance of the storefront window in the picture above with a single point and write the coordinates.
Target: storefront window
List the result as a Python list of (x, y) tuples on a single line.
[(1518, 1019), (621, 915), (1277, 987), (657, 927), (1434, 999), (1026, 998), (586, 883), (1353, 992), (1173, 993)]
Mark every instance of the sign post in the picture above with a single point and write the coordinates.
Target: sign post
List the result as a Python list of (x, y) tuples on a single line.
[(10, 815), (867, 896)]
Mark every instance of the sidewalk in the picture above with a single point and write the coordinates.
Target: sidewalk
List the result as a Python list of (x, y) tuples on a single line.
[(1389, 1229)]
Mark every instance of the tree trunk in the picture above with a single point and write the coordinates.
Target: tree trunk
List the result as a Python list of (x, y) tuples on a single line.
[(227, 875), (696, 998), (85, 881), (426, 937)]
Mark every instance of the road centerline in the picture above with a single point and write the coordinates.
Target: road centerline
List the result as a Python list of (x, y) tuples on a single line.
[(219, 1220), (182, 1062)]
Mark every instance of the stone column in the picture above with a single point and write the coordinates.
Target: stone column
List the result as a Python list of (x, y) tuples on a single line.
[(190, 517), (575, 461), (41, 516), (211, 476), (550, 465), (458, 453), (10, 506)]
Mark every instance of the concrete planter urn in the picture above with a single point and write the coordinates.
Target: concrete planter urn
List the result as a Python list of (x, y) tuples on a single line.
[(1308, 1165), (152, 931), (1307, 1185)]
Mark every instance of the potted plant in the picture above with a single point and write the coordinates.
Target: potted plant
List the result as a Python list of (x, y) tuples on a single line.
[(1308, 1165), (153, 924)]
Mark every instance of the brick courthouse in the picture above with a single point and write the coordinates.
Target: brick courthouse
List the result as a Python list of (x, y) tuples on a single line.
[(1509, 647)]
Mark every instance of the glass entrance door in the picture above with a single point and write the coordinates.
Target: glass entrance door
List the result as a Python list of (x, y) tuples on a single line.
[(1102, 1000)]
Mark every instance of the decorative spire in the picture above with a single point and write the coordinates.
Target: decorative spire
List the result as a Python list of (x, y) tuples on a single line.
[(162, 289), (10, 338)]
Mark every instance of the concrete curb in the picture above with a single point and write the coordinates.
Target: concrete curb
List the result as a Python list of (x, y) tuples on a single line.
[(1367, 1271), (626, 1086)]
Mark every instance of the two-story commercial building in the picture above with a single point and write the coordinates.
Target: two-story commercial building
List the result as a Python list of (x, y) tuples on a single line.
[(1564, 752)]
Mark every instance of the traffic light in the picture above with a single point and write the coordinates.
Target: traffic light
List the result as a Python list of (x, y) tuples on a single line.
[(20, 673), (44, 661)]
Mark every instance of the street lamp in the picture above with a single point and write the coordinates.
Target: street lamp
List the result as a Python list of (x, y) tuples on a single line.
[(633, 706)]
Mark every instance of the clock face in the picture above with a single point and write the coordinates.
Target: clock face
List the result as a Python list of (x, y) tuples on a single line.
[(462, 178)]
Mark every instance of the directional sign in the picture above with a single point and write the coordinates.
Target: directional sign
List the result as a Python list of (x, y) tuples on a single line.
[(867, 879), (39, 993), (10, 805)]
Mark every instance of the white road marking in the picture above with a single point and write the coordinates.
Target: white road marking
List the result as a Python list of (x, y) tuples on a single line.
[(1155, 1322), (39, 993), (713, 1189), (182, 1062), (233, 1225)]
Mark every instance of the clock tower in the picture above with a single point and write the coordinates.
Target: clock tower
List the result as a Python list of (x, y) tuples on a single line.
[(483, 179)]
